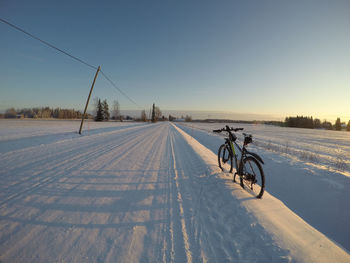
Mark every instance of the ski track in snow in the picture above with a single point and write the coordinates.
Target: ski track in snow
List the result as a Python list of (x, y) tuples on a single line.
[(137, 193)]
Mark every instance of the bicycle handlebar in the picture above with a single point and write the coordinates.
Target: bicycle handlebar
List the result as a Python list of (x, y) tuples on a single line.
[(228, 129)]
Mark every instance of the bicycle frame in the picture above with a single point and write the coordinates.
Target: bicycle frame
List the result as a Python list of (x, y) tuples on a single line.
[(232, 146)]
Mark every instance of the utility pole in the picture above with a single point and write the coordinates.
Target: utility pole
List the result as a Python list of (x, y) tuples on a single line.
[(153, 113), (88, 99)]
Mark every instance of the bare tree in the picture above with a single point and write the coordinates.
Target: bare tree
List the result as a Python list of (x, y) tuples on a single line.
[(116, 110), (96, 105), (10, 113), (143, 115), (157, 113), (188, 118)]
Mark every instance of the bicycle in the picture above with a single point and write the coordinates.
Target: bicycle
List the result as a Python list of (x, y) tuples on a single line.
[(248, 167)]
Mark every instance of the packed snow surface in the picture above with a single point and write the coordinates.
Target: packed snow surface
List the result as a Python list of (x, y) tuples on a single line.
[(139, 192)]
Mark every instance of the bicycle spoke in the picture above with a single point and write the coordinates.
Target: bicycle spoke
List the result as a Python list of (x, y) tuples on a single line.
[(252, 177)]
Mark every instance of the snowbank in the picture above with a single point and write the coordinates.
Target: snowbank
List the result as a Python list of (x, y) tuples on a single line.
[(291, 232)]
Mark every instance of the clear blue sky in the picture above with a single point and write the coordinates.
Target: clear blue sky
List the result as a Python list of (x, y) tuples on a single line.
[(274, 58)]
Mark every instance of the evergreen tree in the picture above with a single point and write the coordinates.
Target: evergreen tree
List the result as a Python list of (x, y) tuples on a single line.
[(317, 123), (105, 110), (99, 111), (299, 122), (348, 127), (337, 124)]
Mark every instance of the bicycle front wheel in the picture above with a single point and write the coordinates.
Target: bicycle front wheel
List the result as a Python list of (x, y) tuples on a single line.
[(225, 159), (253, 177)]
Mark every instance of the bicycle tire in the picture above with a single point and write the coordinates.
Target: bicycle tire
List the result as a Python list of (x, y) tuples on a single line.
[(253, 169), (225, 159)]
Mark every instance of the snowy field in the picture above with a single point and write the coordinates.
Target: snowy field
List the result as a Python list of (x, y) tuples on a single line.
[(325, 149), (139, 192), (317, 189)]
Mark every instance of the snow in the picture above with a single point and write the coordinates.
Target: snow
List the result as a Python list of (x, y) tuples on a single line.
[(135, 192), (319, 194), (289, 230), (329, 150)]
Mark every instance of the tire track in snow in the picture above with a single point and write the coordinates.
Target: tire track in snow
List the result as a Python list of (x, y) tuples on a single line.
[(153, 160), (192, 220), (194, 180), (49, 167), (180, 214), (144, 193), (92, 154), (139, 237), (52, 175)]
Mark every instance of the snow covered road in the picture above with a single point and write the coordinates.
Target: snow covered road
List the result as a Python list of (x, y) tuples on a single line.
[(135, 193)]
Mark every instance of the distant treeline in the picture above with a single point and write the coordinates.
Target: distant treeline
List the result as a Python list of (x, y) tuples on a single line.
[(296, 122), (42, 113), (277, 123), (310, 123)]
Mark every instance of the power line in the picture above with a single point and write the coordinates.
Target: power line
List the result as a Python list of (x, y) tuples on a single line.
[(48, 44), (122, 92), (74, 57)]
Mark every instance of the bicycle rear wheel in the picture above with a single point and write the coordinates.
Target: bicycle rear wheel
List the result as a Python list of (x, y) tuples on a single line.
[(225, 159), (253, 177)]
